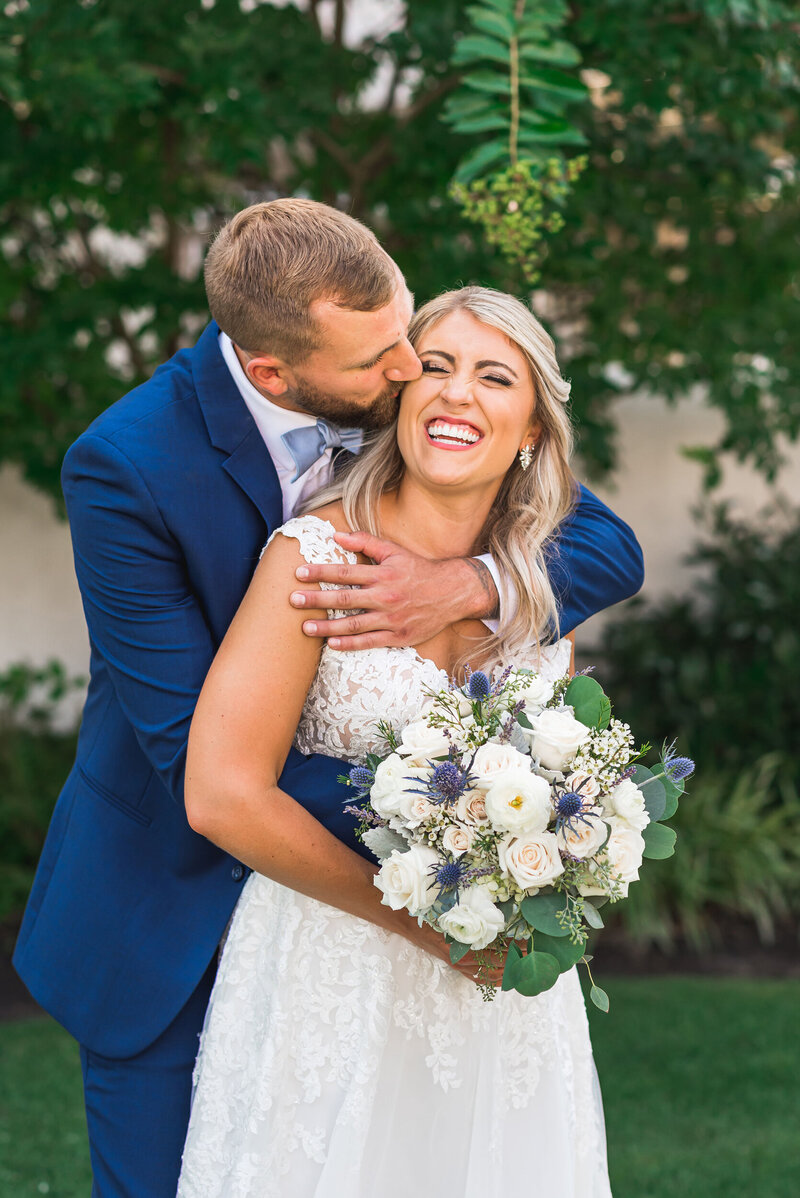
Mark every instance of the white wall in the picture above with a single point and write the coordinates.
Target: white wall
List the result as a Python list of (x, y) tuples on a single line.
[(654, 489)]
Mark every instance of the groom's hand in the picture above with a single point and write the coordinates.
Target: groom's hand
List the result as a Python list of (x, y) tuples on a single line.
[(404, 599)]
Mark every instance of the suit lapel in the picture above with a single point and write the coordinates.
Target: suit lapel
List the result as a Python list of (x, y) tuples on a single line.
[(232, 429)]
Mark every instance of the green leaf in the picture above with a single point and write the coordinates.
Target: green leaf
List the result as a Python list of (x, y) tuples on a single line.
[(542, 910), (592, 916), (476, 49), (550, 79), (565, 951), (588, 700), (653, 792), (535, 973), (559, 52), (599, 998), (488, 81), (659, 841), (554, 131), (495, 23), (457, 951), (674, 791), (481, 124), (523, 720), (468, 104), (480, 158), (514, 954)]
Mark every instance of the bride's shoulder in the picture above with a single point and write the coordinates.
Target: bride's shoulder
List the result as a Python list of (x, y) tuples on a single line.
[(312, 536)]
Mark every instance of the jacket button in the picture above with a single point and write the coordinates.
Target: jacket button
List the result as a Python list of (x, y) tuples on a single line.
[(237, 873)]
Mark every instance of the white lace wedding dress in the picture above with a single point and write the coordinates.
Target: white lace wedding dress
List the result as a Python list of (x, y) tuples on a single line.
[(339, 1061)]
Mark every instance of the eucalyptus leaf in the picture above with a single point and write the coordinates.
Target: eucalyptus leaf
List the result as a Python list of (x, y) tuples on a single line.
[(535, 973), (599, 998), (523, 720), (592, 916), (659, 842), (457, 951), (565, 951), (653, 792), (542, 910), (586, 697), (674, 791), (514, 954)]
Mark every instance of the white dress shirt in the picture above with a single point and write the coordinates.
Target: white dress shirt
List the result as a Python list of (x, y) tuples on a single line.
[(272, 421)]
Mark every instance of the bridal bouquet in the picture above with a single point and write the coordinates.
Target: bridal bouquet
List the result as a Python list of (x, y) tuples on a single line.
[(508, 813)]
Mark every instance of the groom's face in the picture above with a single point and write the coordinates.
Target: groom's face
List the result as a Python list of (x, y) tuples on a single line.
[(355, 377)]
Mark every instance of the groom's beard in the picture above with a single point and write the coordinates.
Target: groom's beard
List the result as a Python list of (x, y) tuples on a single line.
[(338, 410)]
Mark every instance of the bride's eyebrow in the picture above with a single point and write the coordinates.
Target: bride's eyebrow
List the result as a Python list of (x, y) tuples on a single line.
[(479, 365)]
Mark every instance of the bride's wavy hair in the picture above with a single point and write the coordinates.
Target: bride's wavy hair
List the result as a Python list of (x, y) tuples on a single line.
[(529, 505)]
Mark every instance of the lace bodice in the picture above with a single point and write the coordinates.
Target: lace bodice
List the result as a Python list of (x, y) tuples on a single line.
[(353, 691)]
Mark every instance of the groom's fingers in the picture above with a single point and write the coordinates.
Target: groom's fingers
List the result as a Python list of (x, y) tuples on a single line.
[(369, 630)]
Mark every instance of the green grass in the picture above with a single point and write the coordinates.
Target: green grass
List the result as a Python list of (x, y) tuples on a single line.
[(699, 1077)]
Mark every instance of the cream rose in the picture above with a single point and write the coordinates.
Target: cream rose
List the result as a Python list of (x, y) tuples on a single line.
[(416, 809), (422, 742), (406, 879), (492, 759), (457, 839), (555, 737), (586, 785), (583, 839), (474, 920), (519, 802), (627, 802), (532, 861), (471, 807)]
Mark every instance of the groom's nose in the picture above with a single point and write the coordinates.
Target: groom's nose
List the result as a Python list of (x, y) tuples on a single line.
[(405, 365)]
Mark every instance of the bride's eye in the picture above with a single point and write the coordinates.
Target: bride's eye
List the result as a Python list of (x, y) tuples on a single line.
[(497, 378), (431, 367)]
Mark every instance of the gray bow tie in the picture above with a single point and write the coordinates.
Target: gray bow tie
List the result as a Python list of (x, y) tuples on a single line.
[(307, 444)]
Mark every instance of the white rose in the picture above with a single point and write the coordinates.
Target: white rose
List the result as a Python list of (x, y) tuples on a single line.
[(625, 850), (406, 879), (457, 839), (474, 920), (471, 807), (583, 839), (519, 802), (627, 802), (387, 793), (556, 737), (532, 861), (536, 695), (586, 785), (423, 743), (492, 759)]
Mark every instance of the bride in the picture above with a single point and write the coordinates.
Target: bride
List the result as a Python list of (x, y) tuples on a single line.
[(343, 1056)]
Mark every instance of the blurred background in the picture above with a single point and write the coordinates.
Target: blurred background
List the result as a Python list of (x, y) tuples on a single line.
[(632, 169)]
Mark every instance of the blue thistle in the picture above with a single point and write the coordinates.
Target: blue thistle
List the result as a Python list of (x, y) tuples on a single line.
[(479, 686), (361, 777), (677, 768), (571, 806), (447, 783), (448, 875)]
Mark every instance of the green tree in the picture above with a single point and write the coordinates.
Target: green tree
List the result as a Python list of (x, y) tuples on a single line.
[(131, 129)]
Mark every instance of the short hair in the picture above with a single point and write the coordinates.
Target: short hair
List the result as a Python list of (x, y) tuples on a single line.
[(269, 263)]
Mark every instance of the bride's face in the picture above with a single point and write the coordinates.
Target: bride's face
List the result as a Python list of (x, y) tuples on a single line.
[(463, 422)]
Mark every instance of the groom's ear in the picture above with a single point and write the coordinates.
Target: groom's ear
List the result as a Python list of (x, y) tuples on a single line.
[(268, 374)]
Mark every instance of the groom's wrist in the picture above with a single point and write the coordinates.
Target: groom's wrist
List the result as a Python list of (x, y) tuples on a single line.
[(481, 601)]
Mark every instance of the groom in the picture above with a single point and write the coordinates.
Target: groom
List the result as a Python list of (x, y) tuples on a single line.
[(171, 494)]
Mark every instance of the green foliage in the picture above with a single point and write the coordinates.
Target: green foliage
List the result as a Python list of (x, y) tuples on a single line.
[(131, 129), (590, 704), (34, 762), (721, 668)]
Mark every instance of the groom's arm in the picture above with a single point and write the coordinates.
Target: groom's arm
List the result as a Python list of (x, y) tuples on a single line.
[(594, 562), (148, 627)]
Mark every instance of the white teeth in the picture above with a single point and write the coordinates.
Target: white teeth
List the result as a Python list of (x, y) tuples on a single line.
[(453, 432)]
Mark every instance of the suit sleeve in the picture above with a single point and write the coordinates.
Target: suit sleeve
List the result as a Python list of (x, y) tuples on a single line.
[(147, 624), (594, 562)]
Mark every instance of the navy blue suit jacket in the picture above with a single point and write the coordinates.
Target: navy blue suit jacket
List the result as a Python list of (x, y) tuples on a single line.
[(171, 494)]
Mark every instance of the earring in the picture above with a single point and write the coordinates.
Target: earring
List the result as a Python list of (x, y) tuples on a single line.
[(526, 456)]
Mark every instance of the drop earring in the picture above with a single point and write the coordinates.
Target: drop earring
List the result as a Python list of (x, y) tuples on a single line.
[(526, 456)]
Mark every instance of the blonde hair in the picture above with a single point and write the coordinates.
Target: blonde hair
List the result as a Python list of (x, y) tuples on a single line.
[(272, 260), (530, 504)]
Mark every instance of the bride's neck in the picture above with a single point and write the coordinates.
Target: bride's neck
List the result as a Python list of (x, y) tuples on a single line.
[(434, 523)]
